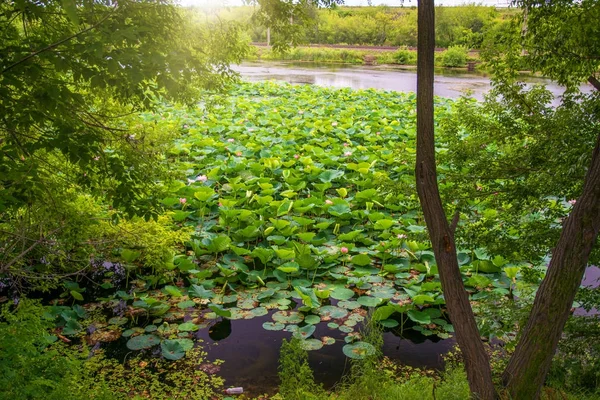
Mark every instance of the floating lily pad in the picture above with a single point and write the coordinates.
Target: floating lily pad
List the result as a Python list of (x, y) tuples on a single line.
[(350, 305), (259, 311), (368, 301), (288, 317), (186, 344), (311, 344), (291, 328), (332, 312), (327, 340), (345, 329), (128, 332), (350, 322), (172, 350), (150, 328), (305, 332), (312, 319), (342, 294), (142, 342), (333, 325), (273, 326), (389, 323), (359, 350), (188, 327), (185, 304), (118, 321)]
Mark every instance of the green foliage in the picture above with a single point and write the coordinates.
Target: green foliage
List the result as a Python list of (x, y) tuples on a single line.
[(297, 381), (576, 366), (161, 379), (455, 56), (31, 367), (465, 25)]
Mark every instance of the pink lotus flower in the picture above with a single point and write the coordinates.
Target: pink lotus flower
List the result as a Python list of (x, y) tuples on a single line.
[(182, 200), (401, 236), (231, 140), (344, 250), (346, 144), (348, 153), (572, 202), (328, 202), (378, 133), (202, 178), (185, 126), (296, 156), (96, 158), (239, 153)]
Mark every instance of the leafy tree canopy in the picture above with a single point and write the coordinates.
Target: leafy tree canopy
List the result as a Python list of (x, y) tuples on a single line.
[(71, 68)]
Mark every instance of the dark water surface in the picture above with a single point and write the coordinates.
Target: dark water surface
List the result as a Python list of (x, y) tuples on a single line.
[(448, 83), (251, 353)]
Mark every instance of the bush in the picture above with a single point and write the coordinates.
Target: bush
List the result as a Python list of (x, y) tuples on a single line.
[(297, 381), (455, 56), (31, 367), (404, 57)]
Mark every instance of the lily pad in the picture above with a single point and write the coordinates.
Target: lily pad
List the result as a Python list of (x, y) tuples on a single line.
[(350, 305), (188, 327), (185, 304), (142, 342), (273, 326), (305, 332), (311, 344), (369, 301), (342, 294), (359, 350), (332, 312), (172, 350), (312, 319), (288, 317)]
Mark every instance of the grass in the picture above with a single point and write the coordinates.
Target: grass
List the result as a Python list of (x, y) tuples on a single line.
[(349, 56)]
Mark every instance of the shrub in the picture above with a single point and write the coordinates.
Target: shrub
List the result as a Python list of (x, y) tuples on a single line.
[(455, 56), (32, 367), (297, 381), (404, 57)]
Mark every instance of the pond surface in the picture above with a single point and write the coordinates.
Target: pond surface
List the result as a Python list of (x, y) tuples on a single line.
[(448, 83), (251, 353)]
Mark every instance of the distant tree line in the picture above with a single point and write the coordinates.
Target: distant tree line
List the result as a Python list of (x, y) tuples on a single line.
[(466, 25)]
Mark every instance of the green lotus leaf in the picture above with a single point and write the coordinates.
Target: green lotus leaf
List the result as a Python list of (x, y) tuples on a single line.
[(359, 350), (311, 344), (389, 323), (185, 304), (172, 350), (333, 312), (273, 326), (312, 319), (142, 342), (288, 317), (305, 332), (342, 294), (369, 301), (188, 327), (350, 305)]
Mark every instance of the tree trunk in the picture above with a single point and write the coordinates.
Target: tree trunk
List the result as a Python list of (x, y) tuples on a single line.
[(442, 237), (526, 371)]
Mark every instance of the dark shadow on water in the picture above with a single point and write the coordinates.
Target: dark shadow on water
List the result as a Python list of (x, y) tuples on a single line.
[(251, 354)]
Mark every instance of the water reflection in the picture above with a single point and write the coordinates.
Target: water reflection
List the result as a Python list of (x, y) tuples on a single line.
[(447, 83)]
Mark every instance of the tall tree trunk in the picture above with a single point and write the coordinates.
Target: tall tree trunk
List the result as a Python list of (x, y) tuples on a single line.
[(442, 237), (529, 364)]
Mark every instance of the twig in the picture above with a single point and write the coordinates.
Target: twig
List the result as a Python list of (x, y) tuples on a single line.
[(56, 44)]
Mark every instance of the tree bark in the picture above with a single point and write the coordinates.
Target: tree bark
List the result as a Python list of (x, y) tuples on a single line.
[(526, 371), (475, 357)]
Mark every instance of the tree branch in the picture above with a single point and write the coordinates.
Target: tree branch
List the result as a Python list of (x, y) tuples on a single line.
[(594, 82), (56, 44)]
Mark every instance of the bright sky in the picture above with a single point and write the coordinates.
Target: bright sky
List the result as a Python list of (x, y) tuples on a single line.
[(217, 3)]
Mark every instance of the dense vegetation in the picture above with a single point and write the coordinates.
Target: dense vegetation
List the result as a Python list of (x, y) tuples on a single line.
[(466, 25), (147, 196)]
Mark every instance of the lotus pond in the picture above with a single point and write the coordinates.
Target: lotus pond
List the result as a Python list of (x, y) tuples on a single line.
[(302, 216)]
